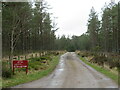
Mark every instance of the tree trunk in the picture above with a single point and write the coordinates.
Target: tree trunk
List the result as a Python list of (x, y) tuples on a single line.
[(12, 48), (119, 27)]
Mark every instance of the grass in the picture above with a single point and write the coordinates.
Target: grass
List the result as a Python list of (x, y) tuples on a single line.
[(102, 70), (21, 77)]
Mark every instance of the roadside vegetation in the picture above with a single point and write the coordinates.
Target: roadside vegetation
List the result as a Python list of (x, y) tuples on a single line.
[(108, 65), (38, 68)]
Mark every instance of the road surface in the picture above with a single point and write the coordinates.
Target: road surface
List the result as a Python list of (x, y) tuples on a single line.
[(71, 72)]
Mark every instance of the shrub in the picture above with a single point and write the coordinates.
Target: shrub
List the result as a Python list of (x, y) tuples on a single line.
[(45, 58), (83, 56), (36, 63), (71, 48), (6, 71), (35, 59), (114, 63), (99, 60), (32, 65), (36, 67)]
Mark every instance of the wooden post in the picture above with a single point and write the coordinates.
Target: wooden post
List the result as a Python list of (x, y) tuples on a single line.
[(25, 57), (13, 67), (9, 58), (32, 55), (36, 55), (18, 57), (39, 54)]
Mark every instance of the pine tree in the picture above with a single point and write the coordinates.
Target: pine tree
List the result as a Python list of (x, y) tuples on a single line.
[(93, 28)]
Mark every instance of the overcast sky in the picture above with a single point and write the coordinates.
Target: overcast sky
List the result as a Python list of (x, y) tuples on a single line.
[(73, 14)]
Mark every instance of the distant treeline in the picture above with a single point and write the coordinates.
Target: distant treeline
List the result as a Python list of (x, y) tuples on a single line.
[(102, 35), (28, 27)]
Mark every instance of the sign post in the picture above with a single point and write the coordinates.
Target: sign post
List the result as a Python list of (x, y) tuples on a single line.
[(20, 64)]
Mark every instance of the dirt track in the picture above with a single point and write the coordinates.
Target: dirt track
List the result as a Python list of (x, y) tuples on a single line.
[(71, 73)]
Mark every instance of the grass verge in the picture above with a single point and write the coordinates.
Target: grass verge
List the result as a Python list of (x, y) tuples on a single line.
[(102, 70), (21, 77)]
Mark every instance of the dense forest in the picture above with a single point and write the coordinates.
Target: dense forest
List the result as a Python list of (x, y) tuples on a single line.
[(28, 27), (102, 35)]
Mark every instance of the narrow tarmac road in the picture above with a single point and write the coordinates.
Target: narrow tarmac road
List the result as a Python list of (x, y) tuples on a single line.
[(71, 72)]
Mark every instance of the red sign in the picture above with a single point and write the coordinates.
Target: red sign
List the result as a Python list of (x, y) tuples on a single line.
[(20, 64)]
